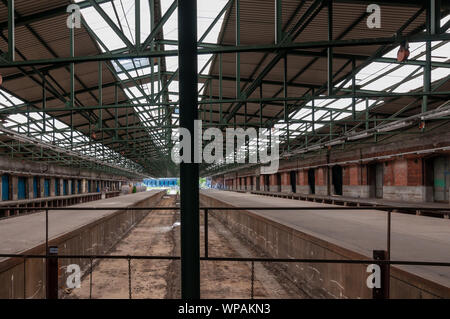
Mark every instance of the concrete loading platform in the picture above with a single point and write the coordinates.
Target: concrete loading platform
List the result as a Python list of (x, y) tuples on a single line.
[(342, 234), (74, 232)]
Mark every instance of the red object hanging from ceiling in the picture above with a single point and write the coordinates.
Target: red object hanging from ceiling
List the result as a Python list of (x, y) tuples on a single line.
[(403, 53)]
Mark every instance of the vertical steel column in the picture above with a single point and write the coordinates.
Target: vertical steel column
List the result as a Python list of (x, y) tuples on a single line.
[(313, 112), (116, 111), (285, 93), (383, 291), (367, 113), (432, 23), (52, 273), (72, 81), (278, 22), (189, 197), (100, 103), (11, 32), (330, 49), (152, 65), (353, 89), (238, 55), (220, 87), (137, 22), (44, 103)]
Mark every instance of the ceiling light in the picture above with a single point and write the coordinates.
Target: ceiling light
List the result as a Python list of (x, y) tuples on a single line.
[(394, 126), (359, 136), (313, 148), (335, 142), (435, 115)]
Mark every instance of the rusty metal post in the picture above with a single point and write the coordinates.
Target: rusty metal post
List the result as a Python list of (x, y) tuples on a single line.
[(383, 291), (52, 273), (205, 221)]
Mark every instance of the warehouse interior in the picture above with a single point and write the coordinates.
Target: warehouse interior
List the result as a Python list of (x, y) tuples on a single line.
[(351, 98)]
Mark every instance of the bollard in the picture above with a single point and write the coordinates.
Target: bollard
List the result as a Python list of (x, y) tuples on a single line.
[(52, 273), (383, 291)]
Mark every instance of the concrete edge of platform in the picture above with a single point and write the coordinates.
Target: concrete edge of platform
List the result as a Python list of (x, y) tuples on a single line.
[(280, 241), (90, 238)]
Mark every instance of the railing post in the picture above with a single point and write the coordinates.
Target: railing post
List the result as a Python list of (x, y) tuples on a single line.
[(383, 291), (52, 273), (205, 221)]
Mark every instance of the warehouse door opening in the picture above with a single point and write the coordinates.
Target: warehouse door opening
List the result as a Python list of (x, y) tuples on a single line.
[(266, 183), (293, 179), (441, 178), (312, 180), (278, 182), (337, 179)]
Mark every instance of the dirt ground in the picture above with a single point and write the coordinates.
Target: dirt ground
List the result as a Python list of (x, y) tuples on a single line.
[(158, 234)]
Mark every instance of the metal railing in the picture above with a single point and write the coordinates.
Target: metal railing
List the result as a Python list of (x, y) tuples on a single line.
[(381, 258)]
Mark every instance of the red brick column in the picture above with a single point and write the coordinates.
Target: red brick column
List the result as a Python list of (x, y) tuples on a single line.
[(286, 182), (249, 183), (302, 182), (321, 181), (273, 183)]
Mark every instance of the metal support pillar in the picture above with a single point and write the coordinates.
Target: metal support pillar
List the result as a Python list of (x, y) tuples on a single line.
[(353, 90), (11, 31), (278, 22), (220, 87), (137, 20), (330, 49), (383, 291), (433, 27), (238, 55), (72, 82), (52, 273), (189, 197), (285, 94)]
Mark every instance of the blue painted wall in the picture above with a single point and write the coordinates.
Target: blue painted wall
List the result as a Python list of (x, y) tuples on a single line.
[(21, 188), (5, 187), (35, 187), (57, 187), (46, 187)]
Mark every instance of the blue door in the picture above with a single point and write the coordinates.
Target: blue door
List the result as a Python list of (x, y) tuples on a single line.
[(64, 187), (35, 187), (79, 187), (21, 187), (5, 187), (73, 187), (46, 187), (57, 186), (89, 186), (98, 187)]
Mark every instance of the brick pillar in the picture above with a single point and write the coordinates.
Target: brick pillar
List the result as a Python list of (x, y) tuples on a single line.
[(321, 175), (403, 180), (355, 181), (286, 182), (302, 182), (273, 187)]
